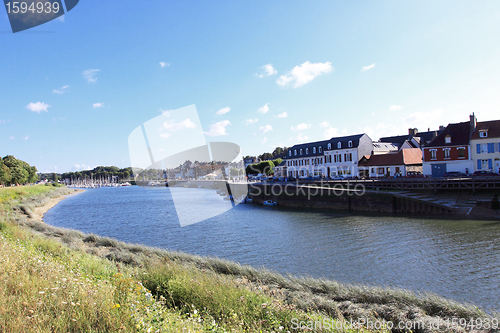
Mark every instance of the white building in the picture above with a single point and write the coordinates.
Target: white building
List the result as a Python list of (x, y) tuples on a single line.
[(485, 146), (337, 157)]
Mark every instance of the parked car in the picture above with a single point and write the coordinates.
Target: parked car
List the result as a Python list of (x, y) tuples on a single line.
[(455, 174), (484, 173), (414, 174)]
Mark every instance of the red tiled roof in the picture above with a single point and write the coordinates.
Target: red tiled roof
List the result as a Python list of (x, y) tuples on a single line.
[(402, 157)]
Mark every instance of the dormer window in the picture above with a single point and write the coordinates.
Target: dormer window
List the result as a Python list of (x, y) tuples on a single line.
[(307, 150), (290, 153), (339, 145), (314, 150), (320, 149), (447, 139), (301, 152), (295, 152), (483, 133), (350, 144), (329, 146)]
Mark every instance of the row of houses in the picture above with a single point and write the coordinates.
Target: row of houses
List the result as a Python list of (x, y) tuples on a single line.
[(464, 147)]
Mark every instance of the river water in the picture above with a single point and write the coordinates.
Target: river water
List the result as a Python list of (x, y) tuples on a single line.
[(453, 258)]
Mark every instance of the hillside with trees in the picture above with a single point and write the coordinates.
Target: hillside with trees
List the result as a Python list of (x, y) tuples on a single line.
[(16, 172)]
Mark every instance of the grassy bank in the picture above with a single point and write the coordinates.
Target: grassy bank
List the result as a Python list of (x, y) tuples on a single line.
[(62, 280), (59, 280)]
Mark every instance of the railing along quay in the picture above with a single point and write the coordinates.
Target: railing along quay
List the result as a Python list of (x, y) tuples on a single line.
[(433, 184)]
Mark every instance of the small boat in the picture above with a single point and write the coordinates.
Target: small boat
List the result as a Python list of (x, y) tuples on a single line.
[(270, 203)]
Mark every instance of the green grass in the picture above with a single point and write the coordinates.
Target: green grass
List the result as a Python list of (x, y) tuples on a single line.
[(59, 280)]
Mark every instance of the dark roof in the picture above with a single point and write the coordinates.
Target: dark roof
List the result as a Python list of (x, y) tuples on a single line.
[(399, 139), (493, 128), (402, 157), (459, 133), (344, 140), (281, 164), (425, 137)]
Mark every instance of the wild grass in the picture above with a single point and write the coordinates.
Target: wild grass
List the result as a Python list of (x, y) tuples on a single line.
[(51, 282), (211, 294)]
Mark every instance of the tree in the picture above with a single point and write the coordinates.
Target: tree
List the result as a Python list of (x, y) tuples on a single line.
[(277, 161), (265, 156), (5, 177), (55, 177)]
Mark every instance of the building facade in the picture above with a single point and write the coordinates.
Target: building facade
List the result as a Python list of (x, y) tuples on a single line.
[(450, 150), (394, 164), (485, 146), (337, 157)]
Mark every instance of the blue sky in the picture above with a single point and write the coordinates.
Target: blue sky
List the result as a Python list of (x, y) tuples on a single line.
[(72, 90)]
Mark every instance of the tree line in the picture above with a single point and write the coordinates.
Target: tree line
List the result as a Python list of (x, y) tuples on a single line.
[(263, 167), (100, 172), (16, 172)]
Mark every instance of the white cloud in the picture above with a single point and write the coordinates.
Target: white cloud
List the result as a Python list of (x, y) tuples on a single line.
[(164, 64), (165, 135), (223, 111), (264, 140), (173, 127), (301, 137), (60, 91), (282, 115), (166, 112), (324, 124), (365, 68), (4, 121), (80, 167), (264, 109), (330, 132), (395, 108), (269, 70), (12, 138), (217, 129), (26, 137), (251, 121), (301, 127), (266, 128), (90, 75), (38, 107), (97, 105), (304, 73)]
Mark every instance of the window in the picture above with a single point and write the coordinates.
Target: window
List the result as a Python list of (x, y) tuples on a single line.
[(348, 157), (461, 152), (320, 149), (380, 171), (301, 152), (290, 153), (307, 150), (446, 152), (314, 150), (482, 148), (337, 158), (339, 145), (483, 133), (484, 164), (447, 139), (349, 144), (329, 146), (433, 154), (295, 152)]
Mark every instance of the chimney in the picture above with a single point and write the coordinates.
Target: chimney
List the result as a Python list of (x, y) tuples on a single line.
[(412, 131), (441, 127), (473, 123)]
